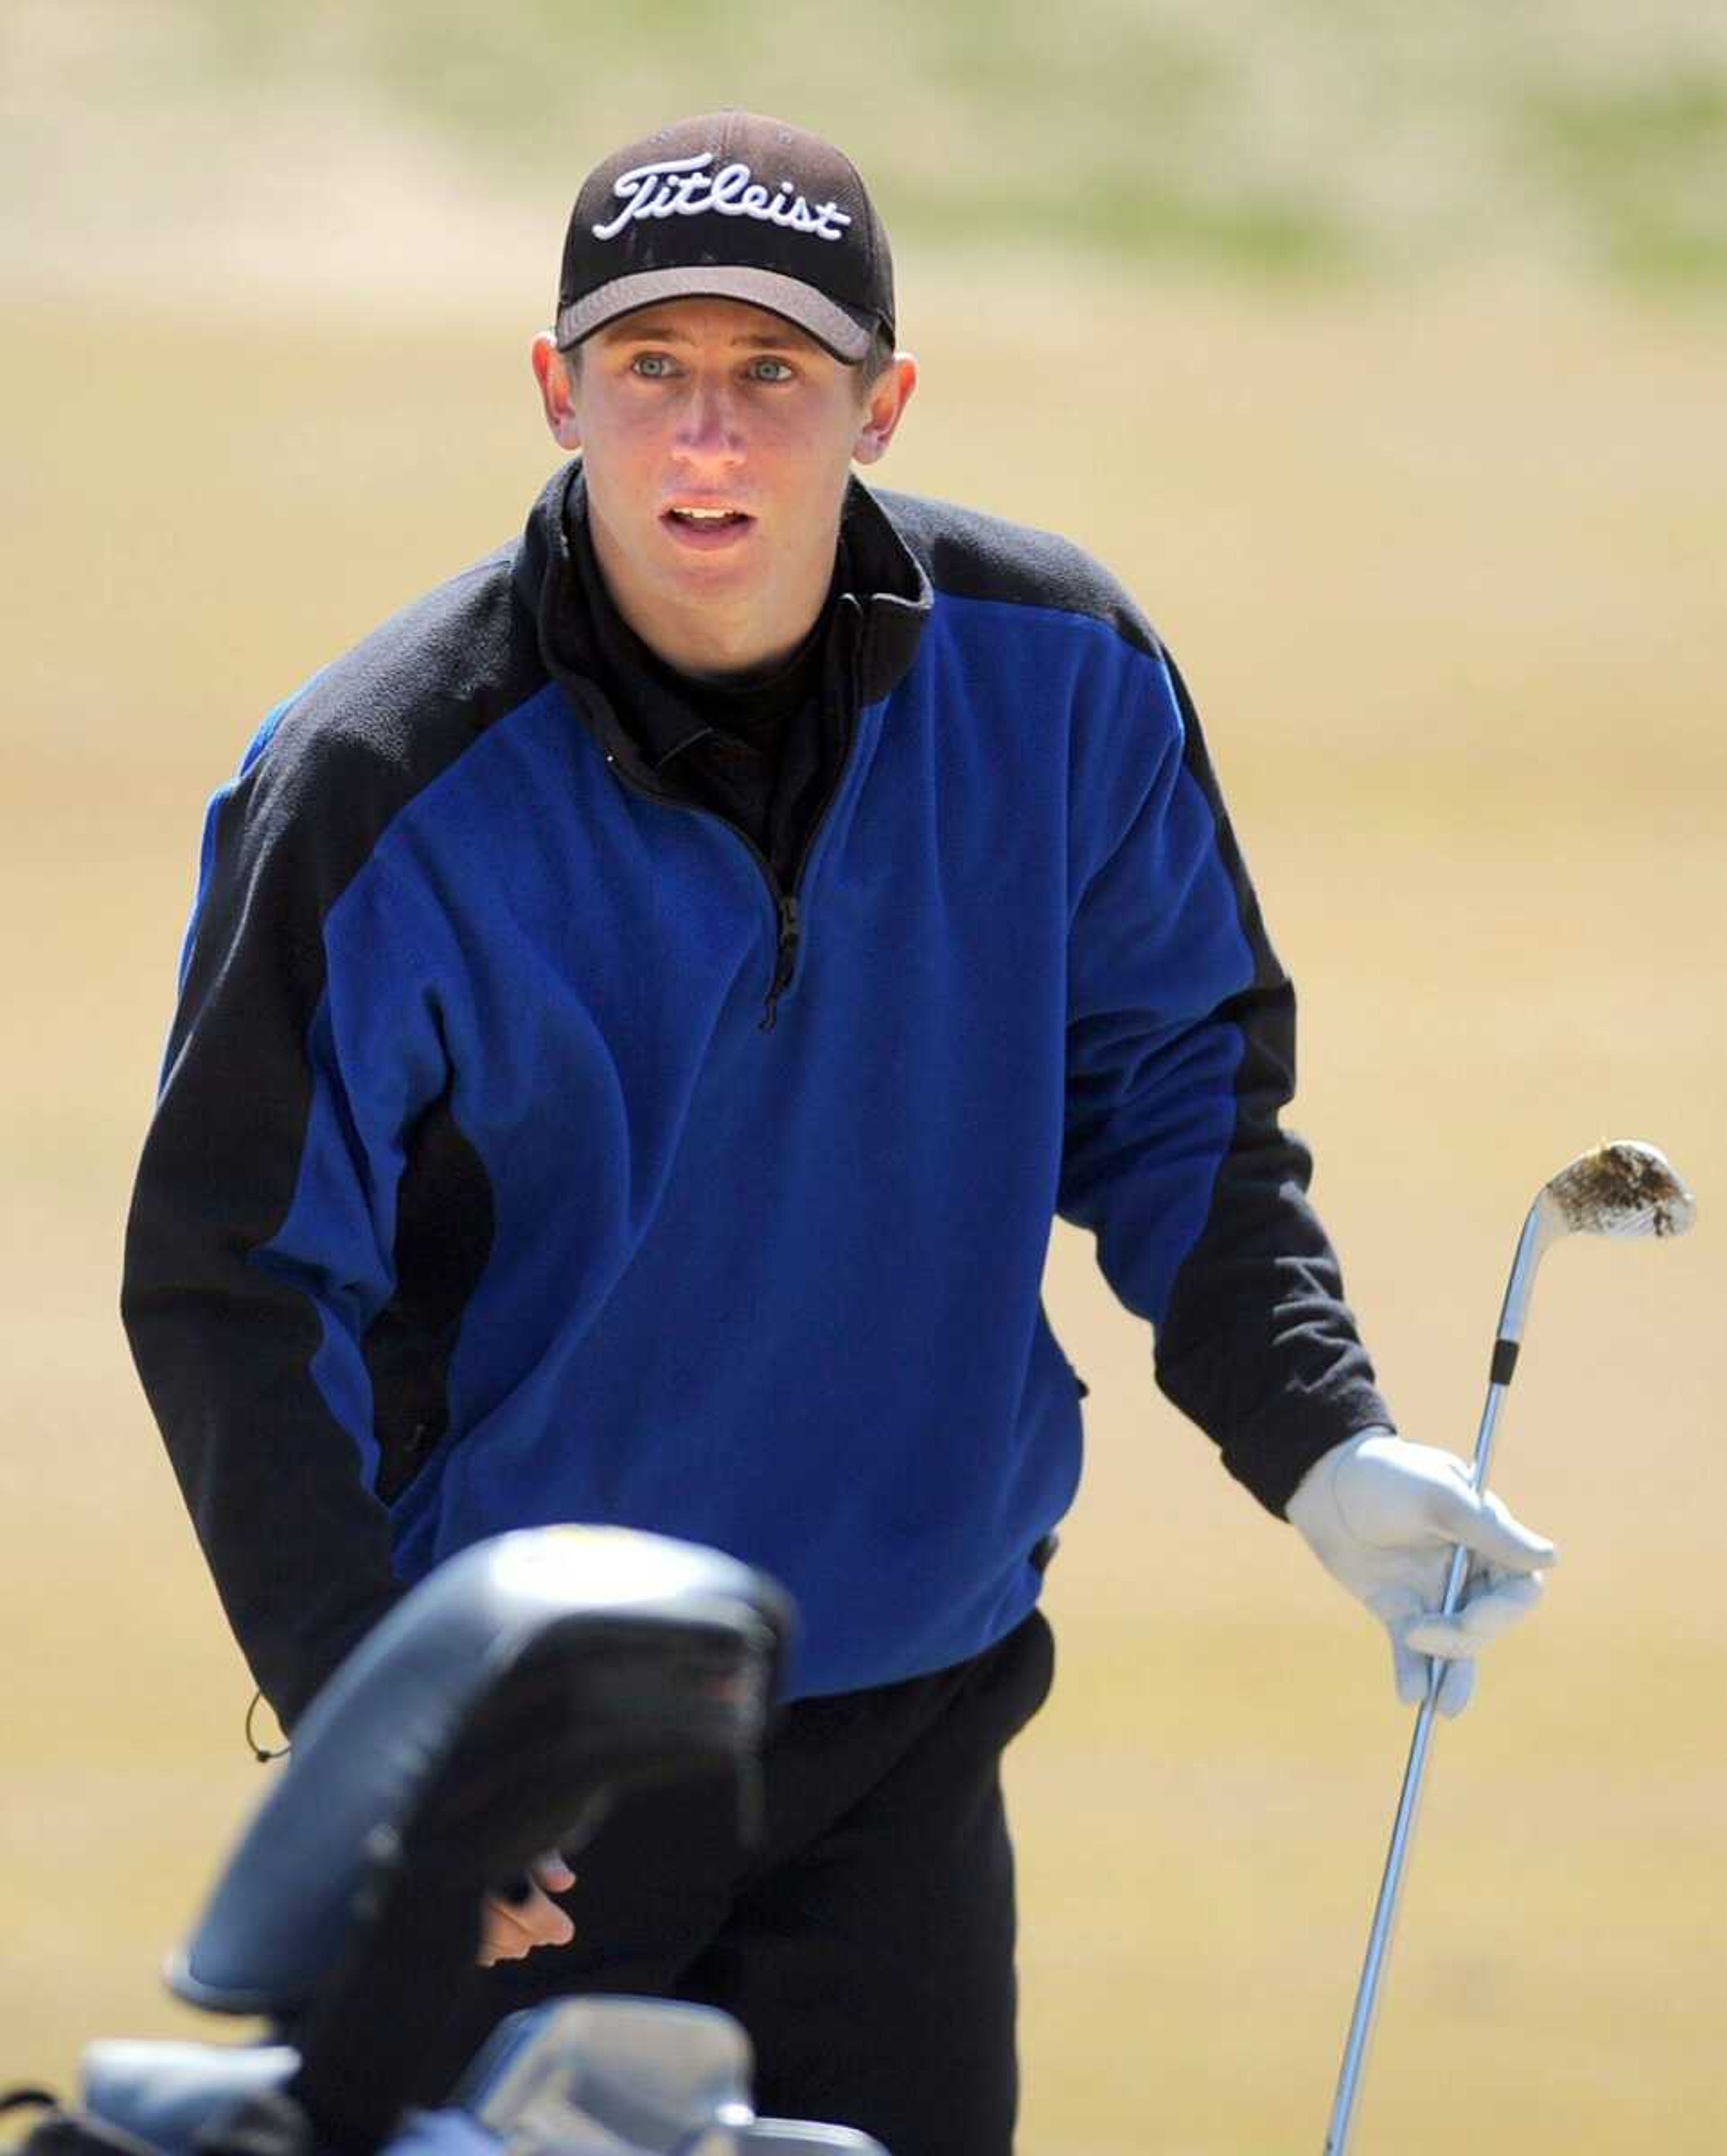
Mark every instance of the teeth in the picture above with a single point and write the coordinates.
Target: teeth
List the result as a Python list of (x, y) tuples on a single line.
[(705, 516)]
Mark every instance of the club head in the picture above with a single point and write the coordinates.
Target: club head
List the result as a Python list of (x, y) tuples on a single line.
[(1624, 1188)]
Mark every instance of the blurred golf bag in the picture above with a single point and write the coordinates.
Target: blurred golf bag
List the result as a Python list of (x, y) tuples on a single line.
[(493, 1715)]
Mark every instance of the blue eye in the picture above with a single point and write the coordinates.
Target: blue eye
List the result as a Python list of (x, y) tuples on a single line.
[(767, 369), (652, 365)]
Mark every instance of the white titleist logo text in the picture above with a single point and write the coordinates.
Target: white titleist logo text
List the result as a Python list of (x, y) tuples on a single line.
[(683, 187)]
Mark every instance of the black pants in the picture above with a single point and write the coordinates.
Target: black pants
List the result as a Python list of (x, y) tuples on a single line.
[(867, 1943)]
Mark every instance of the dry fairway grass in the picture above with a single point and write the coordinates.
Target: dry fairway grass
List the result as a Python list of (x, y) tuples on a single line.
[(1447, 578)]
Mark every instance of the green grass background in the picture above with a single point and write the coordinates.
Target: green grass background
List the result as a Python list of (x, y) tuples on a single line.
[(1311, 137), (1382, 351)]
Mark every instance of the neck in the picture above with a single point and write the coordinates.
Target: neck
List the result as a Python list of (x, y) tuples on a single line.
[(694, 643), (715, 637)]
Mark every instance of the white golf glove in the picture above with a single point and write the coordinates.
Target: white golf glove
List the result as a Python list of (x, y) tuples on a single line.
[(1381, 1515)]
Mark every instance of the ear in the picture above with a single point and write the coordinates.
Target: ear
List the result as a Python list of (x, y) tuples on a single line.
[(888, 400), (557, 395)]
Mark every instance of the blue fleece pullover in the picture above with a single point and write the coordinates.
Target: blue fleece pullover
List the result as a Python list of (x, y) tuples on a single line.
[(480, 1194)]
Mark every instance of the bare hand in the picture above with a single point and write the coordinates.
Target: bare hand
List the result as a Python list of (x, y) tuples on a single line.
[(516, 1922)]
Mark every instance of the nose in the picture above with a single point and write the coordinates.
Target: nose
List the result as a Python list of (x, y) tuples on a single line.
[(707, 430)]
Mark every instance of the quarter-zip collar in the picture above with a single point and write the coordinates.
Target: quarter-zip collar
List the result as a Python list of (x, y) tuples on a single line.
[(666, 711), (886, 609)]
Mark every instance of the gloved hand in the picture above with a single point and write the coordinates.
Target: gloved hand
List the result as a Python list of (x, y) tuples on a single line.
[(1382, 1515)]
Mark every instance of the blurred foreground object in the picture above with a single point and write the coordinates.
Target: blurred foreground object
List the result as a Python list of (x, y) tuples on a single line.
[(494, 1714)]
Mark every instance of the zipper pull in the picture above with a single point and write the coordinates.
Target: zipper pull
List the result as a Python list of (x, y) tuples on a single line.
[(785, 959)]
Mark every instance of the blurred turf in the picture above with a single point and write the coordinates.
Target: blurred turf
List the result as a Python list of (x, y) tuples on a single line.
[(1294, 142), (1645, 164)]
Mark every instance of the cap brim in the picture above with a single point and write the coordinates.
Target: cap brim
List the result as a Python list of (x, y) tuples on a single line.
[(847, 336)]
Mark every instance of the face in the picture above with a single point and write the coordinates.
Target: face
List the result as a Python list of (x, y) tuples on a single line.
[(716, 440)]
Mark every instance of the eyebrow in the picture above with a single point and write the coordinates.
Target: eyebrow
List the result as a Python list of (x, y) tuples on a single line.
[(786, 340)]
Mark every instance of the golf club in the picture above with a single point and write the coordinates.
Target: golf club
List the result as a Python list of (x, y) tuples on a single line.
[(1624, 1188)]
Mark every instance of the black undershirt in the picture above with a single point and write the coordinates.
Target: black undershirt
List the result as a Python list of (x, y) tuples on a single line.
[(762, 750)]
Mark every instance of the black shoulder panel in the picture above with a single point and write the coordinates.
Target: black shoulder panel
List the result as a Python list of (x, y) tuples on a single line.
[(973, 557), (408, 699)]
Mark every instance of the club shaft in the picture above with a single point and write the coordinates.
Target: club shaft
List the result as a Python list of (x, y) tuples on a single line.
[(1384, 1914), (1378, 1939), (1532, 1243), (1553, 1214)]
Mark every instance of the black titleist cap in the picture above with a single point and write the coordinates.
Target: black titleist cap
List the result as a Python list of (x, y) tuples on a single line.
[(732, 207)]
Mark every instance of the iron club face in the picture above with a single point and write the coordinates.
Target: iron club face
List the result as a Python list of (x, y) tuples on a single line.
[(1625, 1187)]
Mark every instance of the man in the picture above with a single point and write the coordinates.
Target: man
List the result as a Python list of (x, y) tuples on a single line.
[(643, 1010)]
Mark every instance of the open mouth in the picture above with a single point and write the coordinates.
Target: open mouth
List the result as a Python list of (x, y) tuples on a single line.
[(693, 527)]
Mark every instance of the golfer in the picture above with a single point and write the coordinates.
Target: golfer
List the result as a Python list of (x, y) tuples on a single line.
[(643, 1010)]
